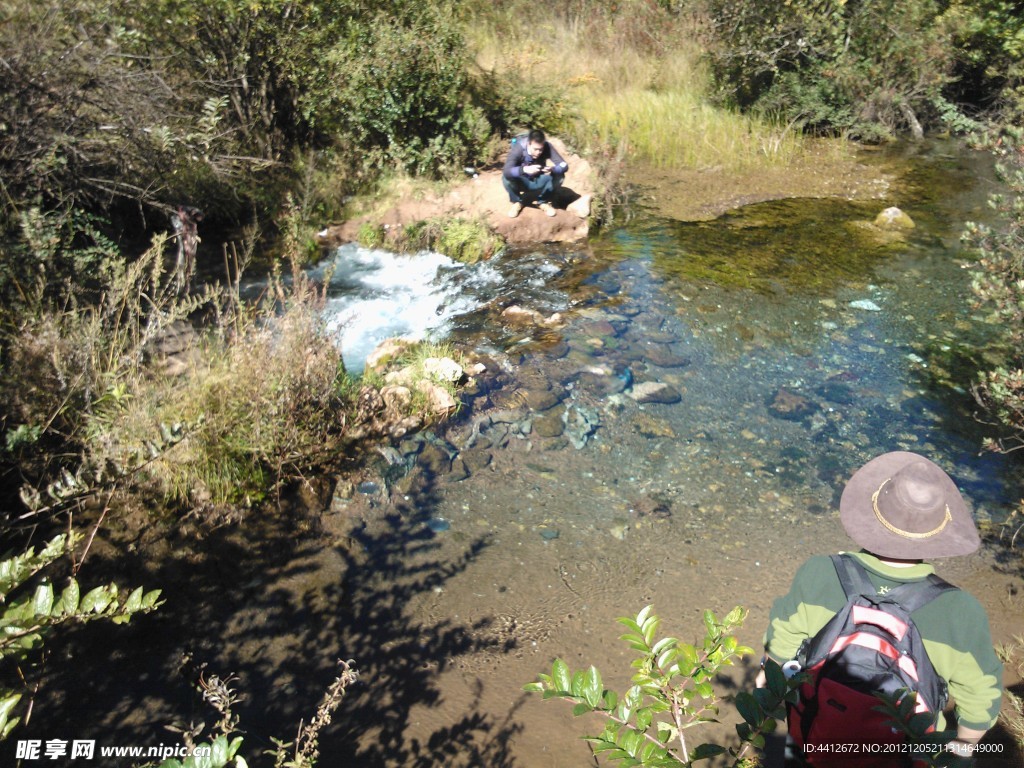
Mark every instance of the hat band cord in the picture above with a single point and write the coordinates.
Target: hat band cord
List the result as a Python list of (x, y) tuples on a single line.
[(899, 531)]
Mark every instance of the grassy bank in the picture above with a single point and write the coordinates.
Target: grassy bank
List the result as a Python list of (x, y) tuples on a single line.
[(632, 78)]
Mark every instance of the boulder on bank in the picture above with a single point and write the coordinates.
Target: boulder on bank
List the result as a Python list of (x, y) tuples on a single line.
[(386, 352), (484, 198)]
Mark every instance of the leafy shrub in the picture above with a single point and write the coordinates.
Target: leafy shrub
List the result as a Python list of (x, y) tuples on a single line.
[(30, 614), (672, 692), (400, 88), (517, 100)]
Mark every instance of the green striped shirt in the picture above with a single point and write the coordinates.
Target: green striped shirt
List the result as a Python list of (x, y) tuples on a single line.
[(954, 628)]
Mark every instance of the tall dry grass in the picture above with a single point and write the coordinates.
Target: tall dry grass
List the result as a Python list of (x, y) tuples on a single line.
[(262, 405), (257, 400), (634, 78), (104, 398)]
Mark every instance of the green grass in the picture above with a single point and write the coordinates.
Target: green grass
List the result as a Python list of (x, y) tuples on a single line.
[(633, 88), (680, 129)]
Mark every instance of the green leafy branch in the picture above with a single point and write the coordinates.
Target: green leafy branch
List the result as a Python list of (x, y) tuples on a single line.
[(26, 619), (918, 727), (672, 692)]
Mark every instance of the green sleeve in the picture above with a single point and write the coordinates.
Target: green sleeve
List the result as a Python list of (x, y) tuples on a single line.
[(962, 653), (813, 598)]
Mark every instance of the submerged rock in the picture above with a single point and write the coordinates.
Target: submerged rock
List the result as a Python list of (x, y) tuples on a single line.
[(837, 392), (600, 384), (517, 315), (580, 423), (434, 460), (549, 424), (476, 459), (539, 400), (650, 427), (655, 392), (652, 506), (788, 405), (664, 357), (866, 304), (460, 469)]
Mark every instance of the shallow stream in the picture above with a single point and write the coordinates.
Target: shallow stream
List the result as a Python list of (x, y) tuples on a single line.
[(795, 342), (678, 435)]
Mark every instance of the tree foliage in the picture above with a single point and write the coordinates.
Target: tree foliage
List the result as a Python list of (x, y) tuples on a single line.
[(988, 36), (869, 68), (222, 103), (80, 115), (998, 285)]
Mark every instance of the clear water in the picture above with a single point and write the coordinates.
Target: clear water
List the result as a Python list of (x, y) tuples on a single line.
[(762, 299)]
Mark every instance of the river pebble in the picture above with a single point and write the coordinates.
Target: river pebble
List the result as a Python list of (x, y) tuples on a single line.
[(655, 392), (866, 304)]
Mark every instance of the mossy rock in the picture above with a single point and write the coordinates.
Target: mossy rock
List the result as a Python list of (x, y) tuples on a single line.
[(467, 240), (894, 218), (370, 235)]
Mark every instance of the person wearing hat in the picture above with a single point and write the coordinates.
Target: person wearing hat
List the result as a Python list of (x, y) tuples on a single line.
[(901, 508)]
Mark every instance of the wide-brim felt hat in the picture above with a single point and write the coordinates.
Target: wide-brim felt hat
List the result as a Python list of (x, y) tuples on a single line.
[(903, 506)]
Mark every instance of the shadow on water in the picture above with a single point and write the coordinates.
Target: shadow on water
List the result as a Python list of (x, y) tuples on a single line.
[(277, 609)]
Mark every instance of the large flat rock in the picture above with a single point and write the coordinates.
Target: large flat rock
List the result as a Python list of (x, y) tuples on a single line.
[(484, 197)]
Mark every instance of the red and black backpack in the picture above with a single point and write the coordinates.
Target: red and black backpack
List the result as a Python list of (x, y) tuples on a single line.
[(870, 647)]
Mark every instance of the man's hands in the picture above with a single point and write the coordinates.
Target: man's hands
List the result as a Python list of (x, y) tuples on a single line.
[(533, 170)]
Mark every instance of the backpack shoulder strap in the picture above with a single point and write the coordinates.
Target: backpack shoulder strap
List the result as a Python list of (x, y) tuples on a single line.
[(918, 594), (910, 596), (852, 576)]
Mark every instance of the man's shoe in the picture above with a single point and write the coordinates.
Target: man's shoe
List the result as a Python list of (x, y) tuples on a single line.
[(514, 210), (548, 209)]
